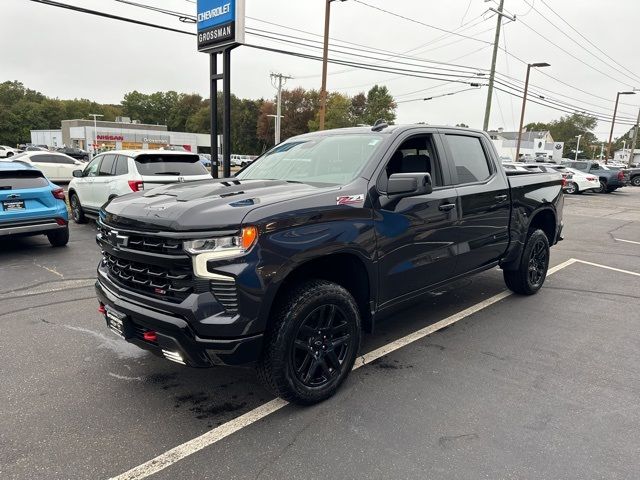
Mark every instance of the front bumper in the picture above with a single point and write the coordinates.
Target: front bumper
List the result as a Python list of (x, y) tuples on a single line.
[(174, 335)]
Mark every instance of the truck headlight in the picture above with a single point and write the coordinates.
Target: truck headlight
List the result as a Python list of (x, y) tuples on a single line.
[(223, 247)]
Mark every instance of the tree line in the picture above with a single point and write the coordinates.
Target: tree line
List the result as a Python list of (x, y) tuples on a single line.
[(252, 127), (567, 128)]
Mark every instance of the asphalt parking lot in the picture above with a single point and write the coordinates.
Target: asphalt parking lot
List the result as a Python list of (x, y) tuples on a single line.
[(536, 387)]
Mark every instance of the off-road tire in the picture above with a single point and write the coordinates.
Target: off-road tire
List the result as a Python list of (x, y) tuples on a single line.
[(59, 238), (276, 368), (520, 280)]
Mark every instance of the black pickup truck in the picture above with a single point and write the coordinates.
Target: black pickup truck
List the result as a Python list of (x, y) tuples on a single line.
[(284, 265)]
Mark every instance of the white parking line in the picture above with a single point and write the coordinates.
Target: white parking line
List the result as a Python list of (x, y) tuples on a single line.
[(599, 265), (190, 447), (626, 241)]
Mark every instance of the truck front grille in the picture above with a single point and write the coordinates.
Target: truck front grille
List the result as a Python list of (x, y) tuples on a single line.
[(143, 243), (174, 284)]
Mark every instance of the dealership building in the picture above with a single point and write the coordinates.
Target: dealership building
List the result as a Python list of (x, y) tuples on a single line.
[(121, 134)]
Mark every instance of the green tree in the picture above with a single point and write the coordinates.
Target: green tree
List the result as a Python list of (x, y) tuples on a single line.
[(338, 114), (380, 105)]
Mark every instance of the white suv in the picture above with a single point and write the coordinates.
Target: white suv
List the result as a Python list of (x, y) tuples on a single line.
[(120, 172)]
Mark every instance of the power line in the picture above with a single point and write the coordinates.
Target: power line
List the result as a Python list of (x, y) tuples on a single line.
[(573, 55), (417, 21), (422, 74), (110, 16), (586, 39), (438, 96)]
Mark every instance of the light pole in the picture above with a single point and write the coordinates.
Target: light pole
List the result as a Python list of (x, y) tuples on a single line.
[(95, 130), (613, 122), (524, 102), (325, 59), (578, 146)]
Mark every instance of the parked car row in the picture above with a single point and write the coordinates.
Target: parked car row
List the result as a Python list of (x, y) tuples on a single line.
[(119, 172)]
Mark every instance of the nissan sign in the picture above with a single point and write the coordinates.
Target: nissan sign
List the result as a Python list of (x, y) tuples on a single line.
[(220, 24)]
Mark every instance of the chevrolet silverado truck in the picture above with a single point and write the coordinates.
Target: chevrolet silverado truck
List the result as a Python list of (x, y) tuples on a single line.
[(286, 264)]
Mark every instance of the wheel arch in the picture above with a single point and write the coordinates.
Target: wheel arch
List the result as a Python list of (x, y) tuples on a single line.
[(346, 268), (545, 220)]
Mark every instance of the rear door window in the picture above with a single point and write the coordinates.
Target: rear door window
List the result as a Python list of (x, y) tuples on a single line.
[(178, 165), (469, 158), (106, 166), (22, 179)]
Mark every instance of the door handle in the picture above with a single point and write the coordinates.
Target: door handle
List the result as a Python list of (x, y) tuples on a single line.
[(501, 198), (446, 207)]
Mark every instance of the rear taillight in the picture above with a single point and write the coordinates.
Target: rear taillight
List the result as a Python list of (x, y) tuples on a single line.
[(58, 193), (564, 182), (136, 185), (61, 221), (620, 175)]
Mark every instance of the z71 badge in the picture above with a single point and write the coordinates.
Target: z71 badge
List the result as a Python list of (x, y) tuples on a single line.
[(350, 199)]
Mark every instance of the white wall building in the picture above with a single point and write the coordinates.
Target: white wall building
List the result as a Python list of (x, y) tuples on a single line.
[(50, 138), (532, 144)]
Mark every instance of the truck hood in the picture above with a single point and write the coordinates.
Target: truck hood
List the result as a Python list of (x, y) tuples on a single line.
[(201, 206)]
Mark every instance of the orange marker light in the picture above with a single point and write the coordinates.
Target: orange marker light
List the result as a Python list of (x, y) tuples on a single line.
[(249, 237)]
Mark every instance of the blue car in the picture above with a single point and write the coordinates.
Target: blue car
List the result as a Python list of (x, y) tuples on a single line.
[(31, 205)]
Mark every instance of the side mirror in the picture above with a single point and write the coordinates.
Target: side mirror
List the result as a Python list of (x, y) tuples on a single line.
[(409, 184), (77, 173)]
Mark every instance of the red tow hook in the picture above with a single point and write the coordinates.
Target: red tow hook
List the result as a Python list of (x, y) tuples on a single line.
[(102, 310)]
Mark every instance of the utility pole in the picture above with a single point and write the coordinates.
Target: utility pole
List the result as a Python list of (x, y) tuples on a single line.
[(578, 147), (325, 60), (635, 138), (280, 77), (496, 44)]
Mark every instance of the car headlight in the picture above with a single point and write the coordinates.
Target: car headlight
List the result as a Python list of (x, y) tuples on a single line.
[(223, 247)]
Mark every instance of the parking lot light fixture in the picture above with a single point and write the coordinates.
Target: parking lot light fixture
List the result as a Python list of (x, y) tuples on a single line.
[(613, 121), (524, 102), (95, 130)]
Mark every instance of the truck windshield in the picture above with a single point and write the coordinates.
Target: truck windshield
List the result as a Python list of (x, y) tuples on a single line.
[(330, 160)]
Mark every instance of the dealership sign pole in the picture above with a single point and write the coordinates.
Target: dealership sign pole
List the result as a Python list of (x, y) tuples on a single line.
[(220, 29)]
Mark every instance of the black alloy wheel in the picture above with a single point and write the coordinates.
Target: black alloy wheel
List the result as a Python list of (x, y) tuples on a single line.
[(311, 343), (321, 346), (531, 271), (538, 263)]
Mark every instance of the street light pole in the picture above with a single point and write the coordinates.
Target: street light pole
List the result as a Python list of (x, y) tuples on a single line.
[(633, 142), (578, 146), (95, 130), (613, 122), (524, 103), (325, 60)]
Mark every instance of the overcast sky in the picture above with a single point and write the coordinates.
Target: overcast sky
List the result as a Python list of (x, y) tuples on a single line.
[(66, 54)]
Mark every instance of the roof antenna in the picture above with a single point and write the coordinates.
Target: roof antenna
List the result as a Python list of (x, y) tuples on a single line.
[(380, 125)]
